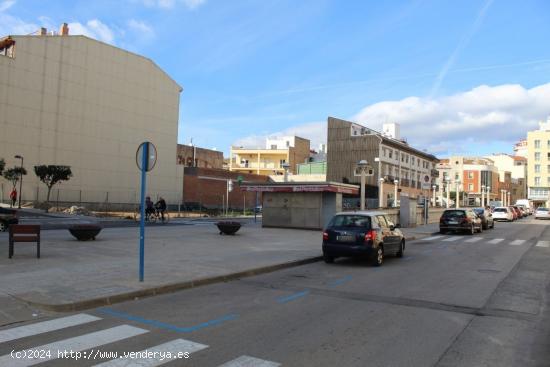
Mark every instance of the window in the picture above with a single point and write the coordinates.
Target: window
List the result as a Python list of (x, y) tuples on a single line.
[(287, 143), (390, 153), (537, 144), (396, 155), (548, 168), (537, 168), (470, 174), (470, 187), (537, 181), (548, 155), (537, 156), (407, 159), (350, 221), (281, 162), (548, 143), (548, 180), (273, 146), (456, 176), (382, 221)]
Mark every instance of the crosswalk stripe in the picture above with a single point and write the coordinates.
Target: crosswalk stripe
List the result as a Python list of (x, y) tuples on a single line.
[(174, 347), (45, 326), (517, 242), (76, 344), (452, 239), (543, 244), (247, 361), (474, 239), (495, 241), (432, 238)]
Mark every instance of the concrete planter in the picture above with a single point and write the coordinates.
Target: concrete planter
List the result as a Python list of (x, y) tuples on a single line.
[(227, 227), (85, 232)]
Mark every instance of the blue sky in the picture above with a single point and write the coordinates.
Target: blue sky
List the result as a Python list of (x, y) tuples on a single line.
[(463, 77)]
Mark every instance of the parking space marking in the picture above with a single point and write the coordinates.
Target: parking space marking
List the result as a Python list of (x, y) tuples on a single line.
[(543, 244), (495, 241)]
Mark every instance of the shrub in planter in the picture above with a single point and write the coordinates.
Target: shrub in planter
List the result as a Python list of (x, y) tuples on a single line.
[(228, 227)]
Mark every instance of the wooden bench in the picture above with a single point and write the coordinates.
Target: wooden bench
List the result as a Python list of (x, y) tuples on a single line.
[(24, 233)]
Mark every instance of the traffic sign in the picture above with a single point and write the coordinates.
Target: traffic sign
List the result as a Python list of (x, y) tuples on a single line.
[(426, 182), (151, 156)]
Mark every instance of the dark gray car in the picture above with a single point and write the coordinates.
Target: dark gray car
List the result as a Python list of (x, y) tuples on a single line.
[(364, 234), (460, 220), (486, 218)]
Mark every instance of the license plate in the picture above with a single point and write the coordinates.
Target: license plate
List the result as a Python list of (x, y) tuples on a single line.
[(345, 238), (453, 222)]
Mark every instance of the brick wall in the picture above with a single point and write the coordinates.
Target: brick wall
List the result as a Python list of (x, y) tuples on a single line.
[(206, 158), (207, 187)]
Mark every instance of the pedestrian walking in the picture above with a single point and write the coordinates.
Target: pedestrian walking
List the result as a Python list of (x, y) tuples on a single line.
[(13, 197)]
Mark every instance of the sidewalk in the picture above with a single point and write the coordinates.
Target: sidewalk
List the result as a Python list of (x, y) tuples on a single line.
[(73, 275)]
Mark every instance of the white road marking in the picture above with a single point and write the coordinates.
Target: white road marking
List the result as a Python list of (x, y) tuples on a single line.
[(76, 344), (452, 239), (474, 239), (495, 241), (45, 326), (246, 361), (174, 347), (432, 238), (543, 244), (517, 242)]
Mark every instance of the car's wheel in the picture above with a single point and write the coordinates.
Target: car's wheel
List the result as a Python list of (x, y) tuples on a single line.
[(378, 256), (3, 227), (401, 249), (328, 259), (485, 226), (442, 231), (493, 225)]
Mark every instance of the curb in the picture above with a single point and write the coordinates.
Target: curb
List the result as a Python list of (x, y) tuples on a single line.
[(167, 288)]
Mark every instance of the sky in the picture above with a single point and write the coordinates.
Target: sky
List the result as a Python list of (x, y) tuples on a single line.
[(467, 77)]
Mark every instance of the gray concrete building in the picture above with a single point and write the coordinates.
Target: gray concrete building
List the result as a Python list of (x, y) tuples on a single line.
[(72, 100)]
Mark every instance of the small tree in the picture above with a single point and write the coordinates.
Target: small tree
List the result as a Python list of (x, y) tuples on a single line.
[(14, 174), (2, 165), (51, 174)]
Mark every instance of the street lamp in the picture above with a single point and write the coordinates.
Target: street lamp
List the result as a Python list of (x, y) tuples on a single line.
[(381, 193), (509, 201), (380, 181), (285, 166), (483, 196), (457, 182), (20, 178), (488, 195), (434, 187), (362, 165), (448, 184), (395, 182)]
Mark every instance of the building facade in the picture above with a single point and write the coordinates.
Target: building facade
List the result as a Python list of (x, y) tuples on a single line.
[(538, 175), (470, 175), (516, 167), (396, 165), (72, 100), (291, 150), (192, 156)]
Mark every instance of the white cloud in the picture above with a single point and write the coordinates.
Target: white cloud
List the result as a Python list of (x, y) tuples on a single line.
[(169, 4), (459, 123), (143, 29), (6, 4), (13, 25), (94, 29)]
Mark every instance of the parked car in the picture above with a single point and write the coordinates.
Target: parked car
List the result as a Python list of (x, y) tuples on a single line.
[(525, 209), (7, 217), (486, 217), (514, 213), (503, 213), (460, 220), (363, 234), (518, 212), (542, 213)]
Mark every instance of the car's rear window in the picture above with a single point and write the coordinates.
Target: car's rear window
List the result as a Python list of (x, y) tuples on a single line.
[(350, 221), (454, 213), (542, 209), (479, 211), (501, 210)]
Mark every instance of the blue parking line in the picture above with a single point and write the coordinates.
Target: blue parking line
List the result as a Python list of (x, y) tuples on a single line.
[(162, 325), (340, 281), (292, 297)]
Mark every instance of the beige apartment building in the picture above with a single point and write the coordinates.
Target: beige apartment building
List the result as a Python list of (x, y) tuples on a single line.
[(514, 166), (72, 100), (538, 175), (291, 150)]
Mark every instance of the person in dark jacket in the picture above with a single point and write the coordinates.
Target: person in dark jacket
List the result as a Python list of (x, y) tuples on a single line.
[(161, 207)]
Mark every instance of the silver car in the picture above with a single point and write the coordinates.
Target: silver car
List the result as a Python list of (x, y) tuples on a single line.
[(542, 213)]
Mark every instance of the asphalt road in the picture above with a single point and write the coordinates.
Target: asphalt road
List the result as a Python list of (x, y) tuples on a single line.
[(453, 300)]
